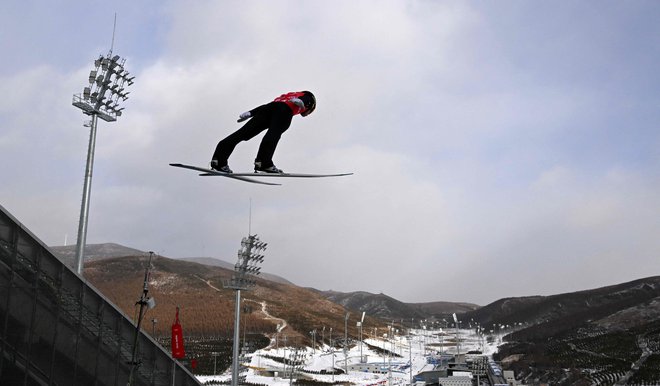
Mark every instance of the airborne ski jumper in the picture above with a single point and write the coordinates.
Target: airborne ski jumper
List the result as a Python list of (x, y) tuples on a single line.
[(276, 117)]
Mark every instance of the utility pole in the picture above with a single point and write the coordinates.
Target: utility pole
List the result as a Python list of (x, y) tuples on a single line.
[(346, 343), (313, 334), (215, 361), (410, 357), (144, 301), (332, 347)]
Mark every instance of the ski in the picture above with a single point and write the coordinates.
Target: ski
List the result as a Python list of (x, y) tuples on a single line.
[(211, 172), (295, 175)]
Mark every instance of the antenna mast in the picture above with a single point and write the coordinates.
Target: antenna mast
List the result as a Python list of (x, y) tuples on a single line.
[(114, 28)]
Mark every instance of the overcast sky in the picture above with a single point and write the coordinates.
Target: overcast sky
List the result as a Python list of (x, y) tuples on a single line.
[(500, 149)]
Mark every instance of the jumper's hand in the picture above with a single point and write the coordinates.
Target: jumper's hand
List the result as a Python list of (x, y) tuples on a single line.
[(244, 116)]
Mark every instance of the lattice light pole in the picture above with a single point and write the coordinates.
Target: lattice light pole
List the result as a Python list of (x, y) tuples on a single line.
[(245, 271), (100, 99)]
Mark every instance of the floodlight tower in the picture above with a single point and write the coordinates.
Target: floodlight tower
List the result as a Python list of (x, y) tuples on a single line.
[(108, 81), (346, 342), (458, 341), (313, 334), (359, 325), (245, 269)]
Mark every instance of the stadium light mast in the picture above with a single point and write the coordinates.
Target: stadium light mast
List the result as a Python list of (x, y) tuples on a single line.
[(346, 342), (108, 81), (245, 269), (458, 341), (359, 325)]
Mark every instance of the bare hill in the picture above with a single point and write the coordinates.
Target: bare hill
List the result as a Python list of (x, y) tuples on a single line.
[(206, 307), (388, 308), (93, 252), (212, 261), (67, 253)]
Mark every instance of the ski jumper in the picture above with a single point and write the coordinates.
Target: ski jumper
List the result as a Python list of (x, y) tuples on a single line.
[(275, 116)]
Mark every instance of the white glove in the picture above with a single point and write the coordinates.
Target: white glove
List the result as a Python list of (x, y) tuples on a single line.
[(297, 102), (244, 116)]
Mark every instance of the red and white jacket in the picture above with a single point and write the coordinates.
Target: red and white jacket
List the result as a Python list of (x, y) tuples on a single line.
[(292, 100)]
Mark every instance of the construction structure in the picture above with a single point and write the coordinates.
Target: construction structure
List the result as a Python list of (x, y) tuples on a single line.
[(56, 329)]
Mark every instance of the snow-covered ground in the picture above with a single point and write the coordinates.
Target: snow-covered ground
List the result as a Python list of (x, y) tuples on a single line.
[(417, 347)]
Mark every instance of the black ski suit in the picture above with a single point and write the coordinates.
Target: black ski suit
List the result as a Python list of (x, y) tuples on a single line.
[(275, 116)]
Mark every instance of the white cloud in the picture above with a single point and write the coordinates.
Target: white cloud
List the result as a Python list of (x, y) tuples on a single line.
[(472, 157)]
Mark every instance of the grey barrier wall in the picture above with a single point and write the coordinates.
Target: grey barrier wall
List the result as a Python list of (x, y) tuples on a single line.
[(56, 329)]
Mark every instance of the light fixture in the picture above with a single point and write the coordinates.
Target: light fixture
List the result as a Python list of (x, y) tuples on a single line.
[(107, 80)]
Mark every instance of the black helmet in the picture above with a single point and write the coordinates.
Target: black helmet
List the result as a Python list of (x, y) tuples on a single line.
[(310, 103)]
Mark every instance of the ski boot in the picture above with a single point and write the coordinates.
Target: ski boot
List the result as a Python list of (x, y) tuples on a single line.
[(215, 165), (271, 169)]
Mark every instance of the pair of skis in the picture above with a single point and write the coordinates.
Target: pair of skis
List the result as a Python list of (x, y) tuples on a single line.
[(250, 177)]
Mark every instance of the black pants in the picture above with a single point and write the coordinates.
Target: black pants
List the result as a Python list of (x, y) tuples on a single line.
[(274, 116)]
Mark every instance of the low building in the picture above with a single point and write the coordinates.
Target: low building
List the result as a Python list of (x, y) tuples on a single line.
[(431, 377), (510, 377), (460, 380)]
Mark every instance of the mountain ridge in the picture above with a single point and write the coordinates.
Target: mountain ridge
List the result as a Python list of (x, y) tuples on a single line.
[(67, 253), (379, 305), (387, 307), (561, 339), (592, 303)]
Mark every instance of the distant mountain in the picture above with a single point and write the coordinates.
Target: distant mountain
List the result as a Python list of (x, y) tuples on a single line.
[(440, 310), (213, 262), (584, 337), (548, 315), (110, 250), (386, 307), (94, 252)]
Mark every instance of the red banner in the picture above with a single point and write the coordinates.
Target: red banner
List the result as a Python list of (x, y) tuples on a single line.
[(178, 351)]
